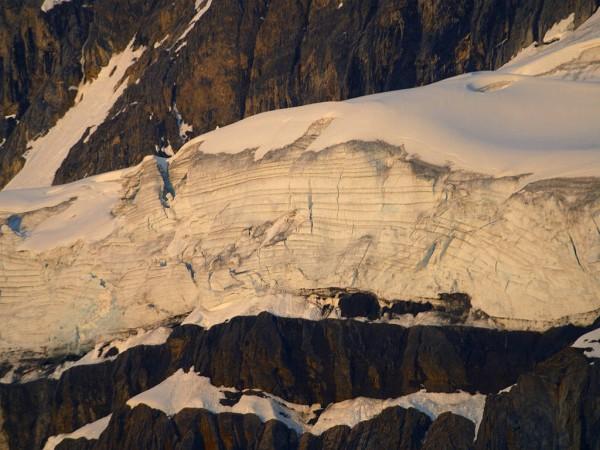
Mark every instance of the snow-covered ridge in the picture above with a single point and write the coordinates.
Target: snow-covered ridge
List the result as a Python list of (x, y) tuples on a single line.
[(190, 390), (491, 123), (351, 412)]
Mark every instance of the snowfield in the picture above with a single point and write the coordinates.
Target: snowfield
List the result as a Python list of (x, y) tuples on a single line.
[(486, 183)]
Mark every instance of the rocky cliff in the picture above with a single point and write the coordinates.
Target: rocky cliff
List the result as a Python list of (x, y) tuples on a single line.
[(211, 63), (322, 362)]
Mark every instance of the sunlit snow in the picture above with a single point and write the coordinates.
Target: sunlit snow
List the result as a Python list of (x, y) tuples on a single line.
[(574, 55), (82, 210), (49, 4), (351, 412), (335, 206), (90, 431), (190, 390), (590, 342)]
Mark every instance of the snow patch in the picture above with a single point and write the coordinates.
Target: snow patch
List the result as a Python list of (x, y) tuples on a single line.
[(560, 29), (184, 128), (49, 4), (590, 342), (351, 412), (98, 354), (190, 390), (201, 7), (161, 42), (86, 217), (507, 389), (90, 431), (93, 102), (564, 53)]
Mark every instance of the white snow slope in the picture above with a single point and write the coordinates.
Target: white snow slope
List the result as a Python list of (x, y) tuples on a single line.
[(93, 102), (190, 390), (406, 194)]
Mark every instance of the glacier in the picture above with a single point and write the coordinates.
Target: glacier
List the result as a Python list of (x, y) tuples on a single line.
[(486, 183)]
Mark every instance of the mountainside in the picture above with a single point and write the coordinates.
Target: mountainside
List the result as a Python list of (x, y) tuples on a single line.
[(202, 65), (396, 193), (413, 269)]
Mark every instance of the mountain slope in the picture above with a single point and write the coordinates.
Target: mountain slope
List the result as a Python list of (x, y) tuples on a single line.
[(224, 69), (414, 269)]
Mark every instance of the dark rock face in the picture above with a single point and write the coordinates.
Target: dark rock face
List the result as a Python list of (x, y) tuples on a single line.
[(145, 428), (359, 305), (455, 305), (450, 432), (39, 60), (240, 59), (301, 361), (557, 406), (400, 307)]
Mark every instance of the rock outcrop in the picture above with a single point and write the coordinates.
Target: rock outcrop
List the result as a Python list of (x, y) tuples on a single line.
[(556, 406)]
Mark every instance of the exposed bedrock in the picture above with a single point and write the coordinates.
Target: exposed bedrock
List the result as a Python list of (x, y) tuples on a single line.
[(301, 361), (557, 406), (238, 59)]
